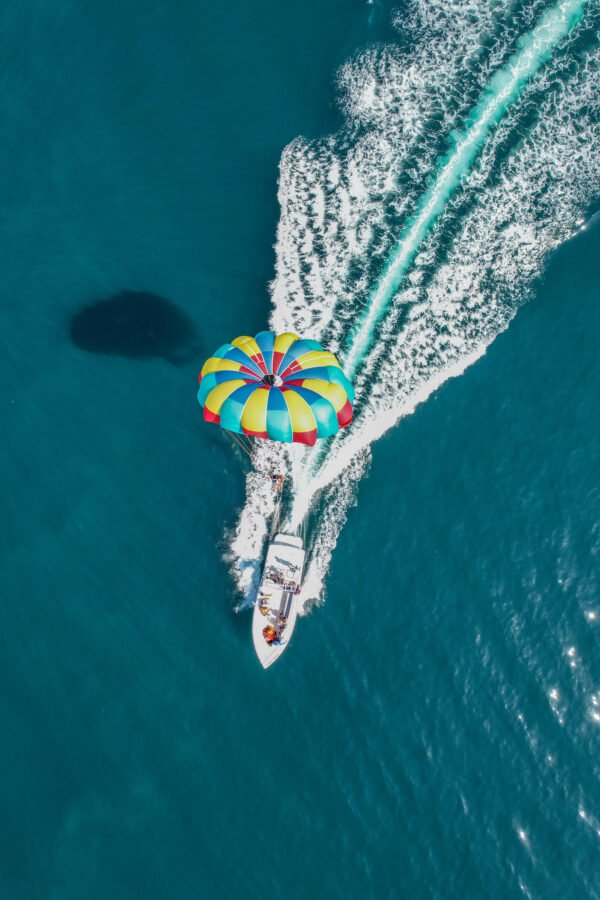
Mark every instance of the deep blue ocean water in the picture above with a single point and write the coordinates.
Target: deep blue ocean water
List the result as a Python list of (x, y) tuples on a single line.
[(433, 730)]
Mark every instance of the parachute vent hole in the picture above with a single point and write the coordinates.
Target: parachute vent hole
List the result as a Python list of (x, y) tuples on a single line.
[(272, 380)]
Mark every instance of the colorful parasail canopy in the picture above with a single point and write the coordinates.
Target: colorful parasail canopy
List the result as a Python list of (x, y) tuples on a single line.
[(280, 387)]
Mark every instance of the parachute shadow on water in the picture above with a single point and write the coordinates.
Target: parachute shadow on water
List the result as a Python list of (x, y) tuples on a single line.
[(136, 325)]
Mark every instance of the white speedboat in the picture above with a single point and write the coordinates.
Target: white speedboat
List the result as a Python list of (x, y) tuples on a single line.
[(278, 599)]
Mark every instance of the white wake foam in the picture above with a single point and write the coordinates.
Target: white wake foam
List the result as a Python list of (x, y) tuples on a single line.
[(516, 91)]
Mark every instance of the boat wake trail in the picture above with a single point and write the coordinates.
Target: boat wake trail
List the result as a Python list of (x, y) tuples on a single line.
[(408, 239)]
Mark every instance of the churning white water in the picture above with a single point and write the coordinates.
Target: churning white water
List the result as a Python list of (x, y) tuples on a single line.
[(408, 240)]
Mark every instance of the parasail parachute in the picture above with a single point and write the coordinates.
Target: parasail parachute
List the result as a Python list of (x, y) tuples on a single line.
[(279, 387)]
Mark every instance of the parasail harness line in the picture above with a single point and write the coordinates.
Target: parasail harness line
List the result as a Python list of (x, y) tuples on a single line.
[(302, 530), (276, 515), (240, 443)]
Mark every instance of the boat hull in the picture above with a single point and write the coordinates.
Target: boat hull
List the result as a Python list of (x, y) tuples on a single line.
[(278, 599)]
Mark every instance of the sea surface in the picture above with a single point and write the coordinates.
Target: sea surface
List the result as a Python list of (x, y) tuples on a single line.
[(417, 185)]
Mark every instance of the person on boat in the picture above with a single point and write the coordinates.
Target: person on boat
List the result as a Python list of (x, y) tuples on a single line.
[(277, 480), (269, 634), (264, 605), (281, 622)]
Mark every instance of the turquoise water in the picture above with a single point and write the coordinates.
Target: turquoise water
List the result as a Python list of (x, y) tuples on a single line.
[(433, 729)]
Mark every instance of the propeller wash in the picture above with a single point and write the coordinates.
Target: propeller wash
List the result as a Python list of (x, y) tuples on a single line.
[(408, 240)]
